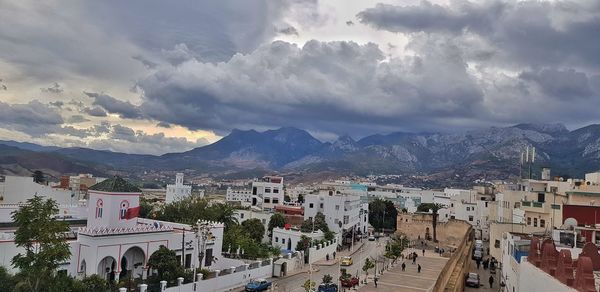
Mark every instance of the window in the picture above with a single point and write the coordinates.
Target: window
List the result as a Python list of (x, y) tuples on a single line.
[(275, 200), (310, 205), (188, 261), (528, 220), (321, 205), (534, 222), (123, 210), (486, 204), (542, 223), (452, 205), (470, 218), (267, 190), (276, 190), (254, 190), (276, 239), (337, 207), (242, 215), (497, 243), (267, 200), (541, 197), (99, 207)]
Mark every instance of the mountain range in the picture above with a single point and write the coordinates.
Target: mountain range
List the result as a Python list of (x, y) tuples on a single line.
[(491, 153)]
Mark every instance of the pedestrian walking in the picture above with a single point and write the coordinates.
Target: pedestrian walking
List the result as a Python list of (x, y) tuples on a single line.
[(423, 252), (334, 254), (403, 266), (478, 263), (414, 260), (375, 281), (491, 280), (419, 268)]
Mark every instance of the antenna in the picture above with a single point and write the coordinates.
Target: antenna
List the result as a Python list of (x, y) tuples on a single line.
[(528, 158)]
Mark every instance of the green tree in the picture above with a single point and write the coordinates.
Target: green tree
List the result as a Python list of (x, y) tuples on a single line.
[(222, 212), (95, 283), (307, 225), (301, 198), (369, 264), (164, 262), (327, 278), (433, 208), (286, 198), (145, 208), (38, 176), (382, 214), (7, 281), (254, 228), (395, 247), (320, 223), (277, 220), (303, 243), (329, 235), (309, 285), (43, 239)]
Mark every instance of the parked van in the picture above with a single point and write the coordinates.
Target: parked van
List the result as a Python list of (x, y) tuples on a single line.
[(477, 254)]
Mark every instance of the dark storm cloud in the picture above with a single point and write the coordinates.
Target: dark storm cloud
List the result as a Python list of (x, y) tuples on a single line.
[(95, 111), (323, 85), (33, 118), (538, 33), (123, 133), (115, 106), (561, 84), (71, 131)]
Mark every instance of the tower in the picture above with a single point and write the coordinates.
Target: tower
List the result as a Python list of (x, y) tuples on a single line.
[(113, 203)]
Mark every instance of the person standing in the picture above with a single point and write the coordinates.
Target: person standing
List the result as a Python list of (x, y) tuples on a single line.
[(423, 252), (478, 261), (403, 266), (491, 280), (419, 268), (375, 281)]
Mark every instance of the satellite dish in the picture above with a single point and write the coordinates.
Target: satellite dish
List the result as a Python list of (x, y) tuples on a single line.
[(570, 223)]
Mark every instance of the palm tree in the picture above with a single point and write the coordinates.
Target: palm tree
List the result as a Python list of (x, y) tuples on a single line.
[(434, 208)]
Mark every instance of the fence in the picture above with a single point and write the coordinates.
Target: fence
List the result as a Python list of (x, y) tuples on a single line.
[(229, 278)]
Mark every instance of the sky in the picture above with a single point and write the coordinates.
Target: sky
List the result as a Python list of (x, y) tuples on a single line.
[(151, 76)]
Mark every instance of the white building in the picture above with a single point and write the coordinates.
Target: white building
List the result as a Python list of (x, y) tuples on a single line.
[(115, 243), (288, 238), (18, 189), (264, 217), (266, 193), (178, 191), (342, 212), (243, 196)]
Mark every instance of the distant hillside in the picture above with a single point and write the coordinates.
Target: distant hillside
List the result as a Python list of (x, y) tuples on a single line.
[(486, 153)]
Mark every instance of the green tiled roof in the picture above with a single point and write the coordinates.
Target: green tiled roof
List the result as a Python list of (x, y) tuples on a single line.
[(115, 184)]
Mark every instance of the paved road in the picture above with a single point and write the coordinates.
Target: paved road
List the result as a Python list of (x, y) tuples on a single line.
[(294, 283), (484, 275)]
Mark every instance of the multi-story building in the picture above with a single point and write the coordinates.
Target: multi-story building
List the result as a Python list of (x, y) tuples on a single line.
[(265, 193), (342, 212), (178, 191)]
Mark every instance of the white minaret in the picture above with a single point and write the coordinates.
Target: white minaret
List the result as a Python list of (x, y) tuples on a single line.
[(177, 191)]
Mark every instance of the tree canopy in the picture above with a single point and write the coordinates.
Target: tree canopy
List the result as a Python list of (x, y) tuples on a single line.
[(254, 228), (382, 214), (164, 262), (43, 239), (277, 220)]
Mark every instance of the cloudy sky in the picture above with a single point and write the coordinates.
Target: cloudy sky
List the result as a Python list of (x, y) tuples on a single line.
[(151, 76)]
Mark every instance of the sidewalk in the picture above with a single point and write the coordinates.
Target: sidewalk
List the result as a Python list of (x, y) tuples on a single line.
[(339, 255)]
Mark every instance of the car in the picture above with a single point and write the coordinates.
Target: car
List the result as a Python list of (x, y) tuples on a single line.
[(349, 282), (472, 280), (477, 255), (346, 261), (371, 238), (327, 287), (258, 285)]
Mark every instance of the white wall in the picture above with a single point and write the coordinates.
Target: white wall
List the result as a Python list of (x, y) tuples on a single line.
[(17, 189), (226, 282), (532, 279), (319, 254)]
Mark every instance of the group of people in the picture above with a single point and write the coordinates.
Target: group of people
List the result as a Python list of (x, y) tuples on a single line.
[(491, 263)]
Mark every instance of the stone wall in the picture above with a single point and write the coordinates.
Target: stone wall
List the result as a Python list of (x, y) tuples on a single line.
[(417, 225)]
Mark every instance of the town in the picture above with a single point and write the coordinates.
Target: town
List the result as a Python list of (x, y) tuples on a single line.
[(264, 234)]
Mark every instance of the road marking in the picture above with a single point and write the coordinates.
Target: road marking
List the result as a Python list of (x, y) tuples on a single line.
[(405, 286)]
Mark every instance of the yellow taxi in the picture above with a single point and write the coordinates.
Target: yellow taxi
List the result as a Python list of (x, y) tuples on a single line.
[(346, 261)]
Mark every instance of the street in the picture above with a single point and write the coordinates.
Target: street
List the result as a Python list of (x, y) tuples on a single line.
[(484, 275), (369, 249)]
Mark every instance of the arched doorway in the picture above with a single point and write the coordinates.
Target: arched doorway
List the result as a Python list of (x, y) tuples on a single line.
[(427, 235), (107, 268), (133, 263), (289, 245), (82, 269)]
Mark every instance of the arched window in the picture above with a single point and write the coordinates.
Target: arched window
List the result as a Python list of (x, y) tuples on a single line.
[(99, 205), (123, 209)]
